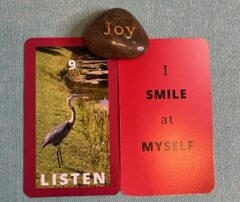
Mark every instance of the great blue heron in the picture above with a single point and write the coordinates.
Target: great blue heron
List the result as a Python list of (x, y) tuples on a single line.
[(58, 133)]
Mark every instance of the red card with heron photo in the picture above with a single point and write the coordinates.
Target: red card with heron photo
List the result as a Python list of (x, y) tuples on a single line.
[(71, 142), (166, 119)]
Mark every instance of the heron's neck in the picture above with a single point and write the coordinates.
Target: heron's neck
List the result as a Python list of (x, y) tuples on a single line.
[(73, 118)]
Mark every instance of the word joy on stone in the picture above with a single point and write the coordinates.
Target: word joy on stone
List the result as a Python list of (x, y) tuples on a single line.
[(118, 30), (117, 34)]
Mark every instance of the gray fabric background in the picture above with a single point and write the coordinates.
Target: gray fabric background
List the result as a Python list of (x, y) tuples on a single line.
[(218, 21)]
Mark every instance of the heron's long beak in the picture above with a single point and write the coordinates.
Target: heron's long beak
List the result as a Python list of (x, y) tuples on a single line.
[(74, 96)]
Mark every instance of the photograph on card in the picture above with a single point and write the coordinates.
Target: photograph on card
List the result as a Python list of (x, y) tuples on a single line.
[(72, 118)]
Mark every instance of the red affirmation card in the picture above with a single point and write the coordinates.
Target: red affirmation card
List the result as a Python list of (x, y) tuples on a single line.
[(71, 144), (166, 119)]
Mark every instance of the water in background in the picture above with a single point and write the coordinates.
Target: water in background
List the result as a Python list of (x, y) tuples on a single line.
[(89, 77)]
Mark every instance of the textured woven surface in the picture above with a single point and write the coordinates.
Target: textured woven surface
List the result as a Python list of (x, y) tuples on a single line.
[(216, 20)]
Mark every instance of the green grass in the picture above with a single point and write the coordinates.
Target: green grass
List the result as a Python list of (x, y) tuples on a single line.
[(86, 148)]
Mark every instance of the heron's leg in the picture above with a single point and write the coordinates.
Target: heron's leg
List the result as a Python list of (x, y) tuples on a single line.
[(60, 154), (58, 158)]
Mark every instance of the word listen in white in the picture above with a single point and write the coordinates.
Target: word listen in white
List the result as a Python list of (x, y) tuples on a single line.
[(74, 178)]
